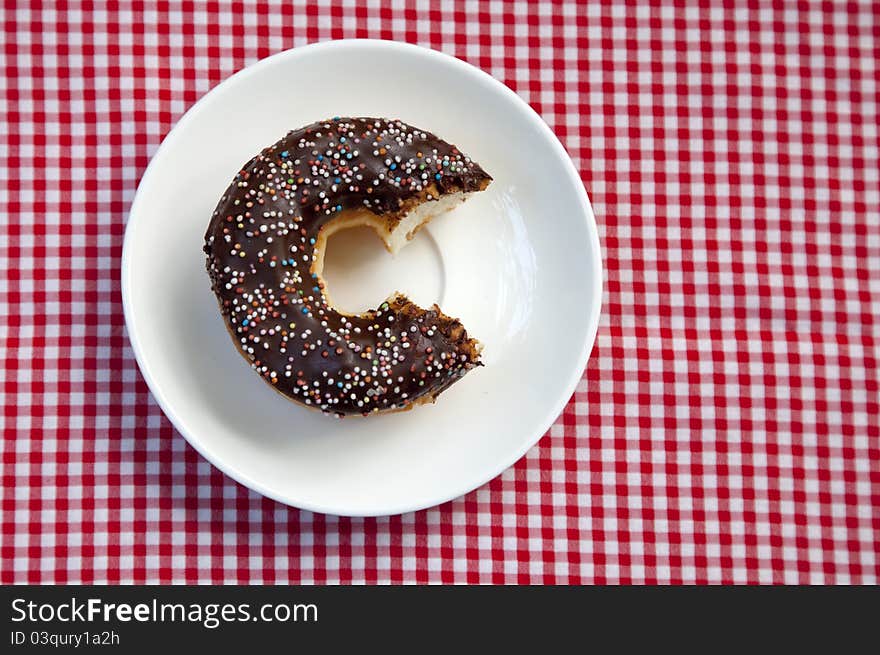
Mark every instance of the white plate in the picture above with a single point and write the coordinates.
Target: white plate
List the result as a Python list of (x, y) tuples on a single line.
[(519, 264)]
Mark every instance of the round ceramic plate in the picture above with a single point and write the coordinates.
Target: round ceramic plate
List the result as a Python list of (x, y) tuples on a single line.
[(519, 264)]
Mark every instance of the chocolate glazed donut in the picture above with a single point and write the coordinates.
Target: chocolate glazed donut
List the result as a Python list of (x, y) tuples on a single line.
[(265, 252)]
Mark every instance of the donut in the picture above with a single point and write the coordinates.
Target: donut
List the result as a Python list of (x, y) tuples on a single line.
[(265, 248)]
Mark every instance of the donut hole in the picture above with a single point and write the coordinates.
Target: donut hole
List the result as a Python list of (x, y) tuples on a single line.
[(359, 273), (352, 257)]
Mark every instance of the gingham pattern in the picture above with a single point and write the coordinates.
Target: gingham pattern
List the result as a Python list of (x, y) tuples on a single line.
[(726, 428)]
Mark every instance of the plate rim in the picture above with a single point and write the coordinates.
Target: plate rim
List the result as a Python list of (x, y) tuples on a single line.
[(407, 49)]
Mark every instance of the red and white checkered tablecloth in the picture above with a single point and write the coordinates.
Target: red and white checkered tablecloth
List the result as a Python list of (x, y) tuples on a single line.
[(727, 428)]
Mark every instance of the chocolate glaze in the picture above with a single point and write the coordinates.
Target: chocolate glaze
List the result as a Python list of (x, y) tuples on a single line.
[(260, 248)]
